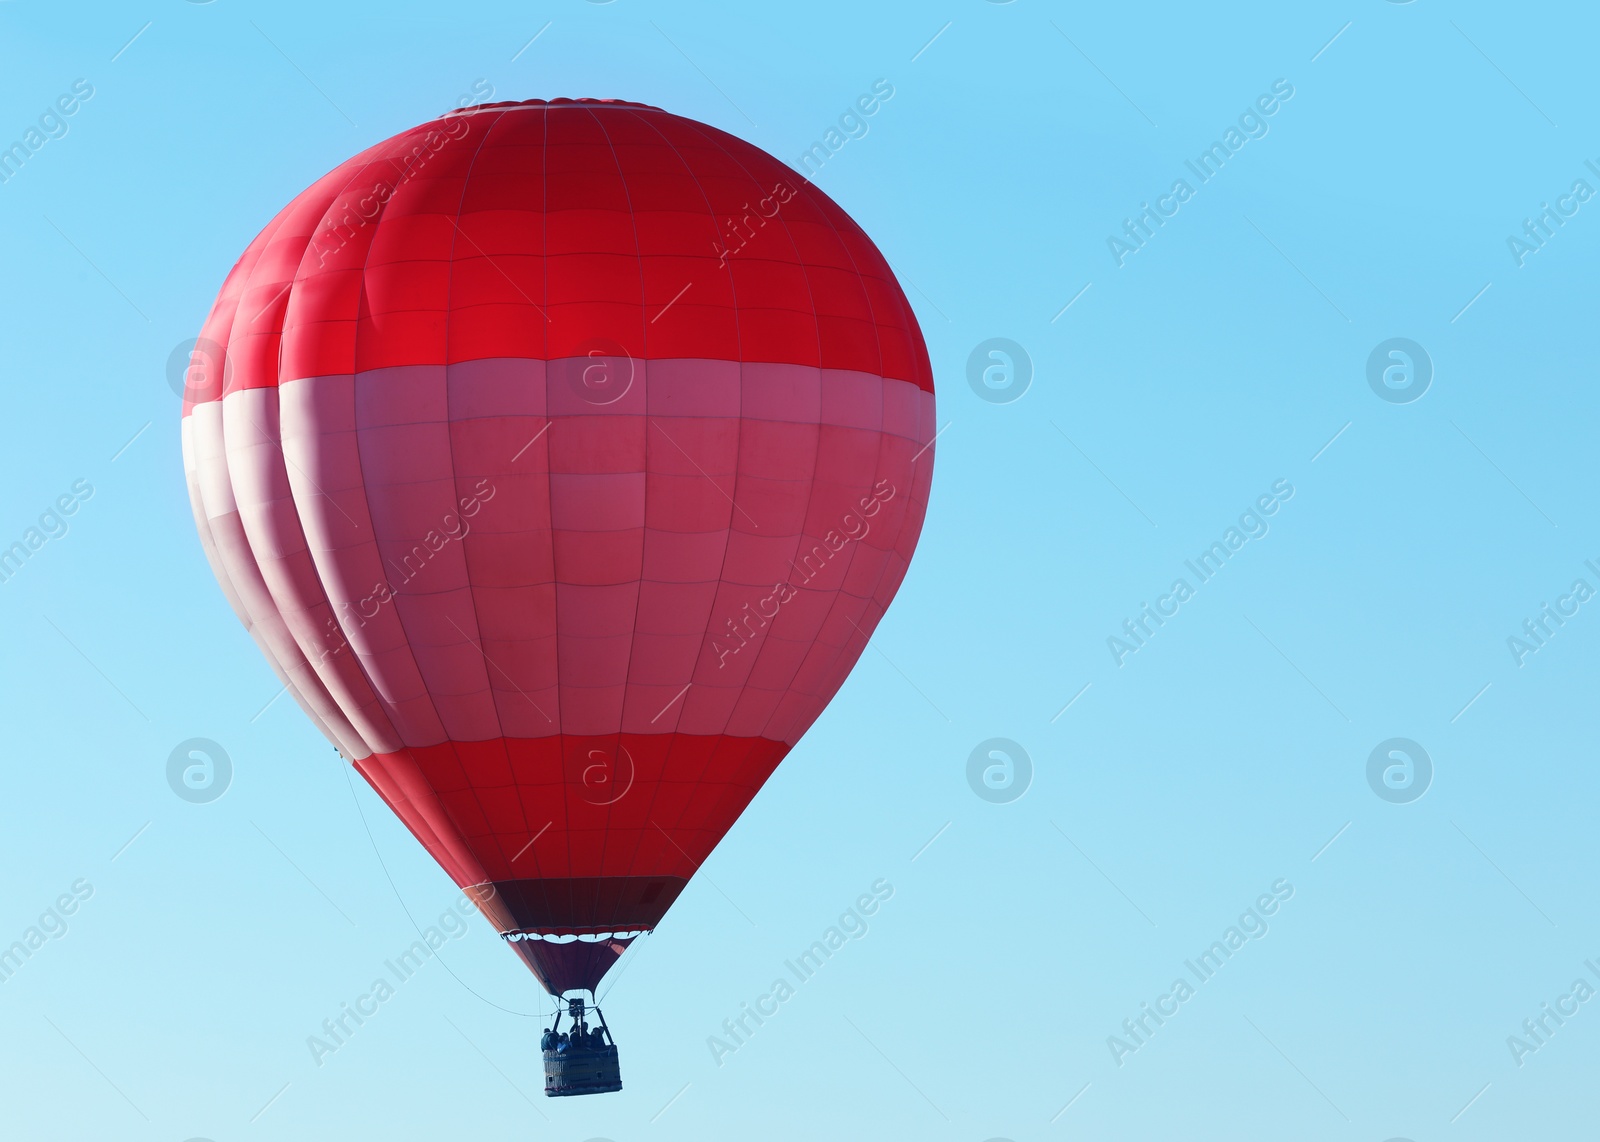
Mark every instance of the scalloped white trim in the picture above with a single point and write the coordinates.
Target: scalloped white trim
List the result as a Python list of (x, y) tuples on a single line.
[(585, 937)]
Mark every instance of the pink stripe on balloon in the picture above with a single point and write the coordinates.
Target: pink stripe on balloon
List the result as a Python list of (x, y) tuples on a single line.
[(497, 571)]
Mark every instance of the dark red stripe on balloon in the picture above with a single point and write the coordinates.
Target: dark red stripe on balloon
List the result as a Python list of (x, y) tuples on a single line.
[(561, 905), (574, 808)]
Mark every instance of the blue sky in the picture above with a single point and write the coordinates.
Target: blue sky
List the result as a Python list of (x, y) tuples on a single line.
[(1225, 357)]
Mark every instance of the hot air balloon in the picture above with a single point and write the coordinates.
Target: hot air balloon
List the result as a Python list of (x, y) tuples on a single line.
[(561, 457)]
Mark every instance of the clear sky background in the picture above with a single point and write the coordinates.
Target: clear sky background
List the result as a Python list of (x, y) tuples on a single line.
[(1164, 795)]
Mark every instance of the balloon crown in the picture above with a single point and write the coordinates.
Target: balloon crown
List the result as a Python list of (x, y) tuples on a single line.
[(552, 103)]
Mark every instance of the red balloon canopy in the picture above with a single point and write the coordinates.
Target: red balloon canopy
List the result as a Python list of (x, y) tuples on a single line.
[(561, 458)]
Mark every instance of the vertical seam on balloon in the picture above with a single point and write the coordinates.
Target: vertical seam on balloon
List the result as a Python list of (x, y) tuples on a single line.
[(644, 536), (300, 662), (919, 374), (722, 735), (733, 291), (357, 169), (738, 452), (677, 737), (816, 456), (877, 467), (208, 544), (354, 170), (523, 794), (550, 494), (229, 580), (877, 338), (644, 513), (908, 321), (224, 311), (472, 598), (272, 599), (870, 600), (468, 841), (405, 748), (236, 277), (366, 499)]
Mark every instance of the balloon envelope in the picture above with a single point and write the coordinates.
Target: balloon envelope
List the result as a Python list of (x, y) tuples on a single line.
[(561, 458)]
